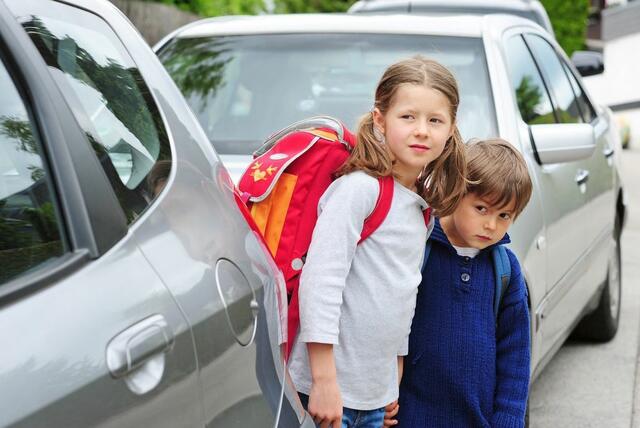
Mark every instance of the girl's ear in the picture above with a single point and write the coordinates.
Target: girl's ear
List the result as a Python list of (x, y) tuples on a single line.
[(452, 131), (378, 120)]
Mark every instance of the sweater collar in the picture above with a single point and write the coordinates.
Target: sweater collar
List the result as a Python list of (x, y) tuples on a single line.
[(438, 235)]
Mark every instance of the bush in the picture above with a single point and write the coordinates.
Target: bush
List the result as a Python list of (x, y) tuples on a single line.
[(569, 21)]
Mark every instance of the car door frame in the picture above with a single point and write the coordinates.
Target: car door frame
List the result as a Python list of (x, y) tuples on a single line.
[(82, 197)]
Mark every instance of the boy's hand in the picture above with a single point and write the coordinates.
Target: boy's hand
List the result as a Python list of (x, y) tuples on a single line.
[(325, 404), (390, 411)]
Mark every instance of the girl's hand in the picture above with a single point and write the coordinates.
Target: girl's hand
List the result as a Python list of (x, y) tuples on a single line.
[(325, 403), (390, 410)]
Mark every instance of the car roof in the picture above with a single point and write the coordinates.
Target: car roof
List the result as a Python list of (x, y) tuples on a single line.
[(494, 4), (455, 25)]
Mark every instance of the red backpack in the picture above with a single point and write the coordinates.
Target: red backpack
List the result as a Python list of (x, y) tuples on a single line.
[(282, 187)]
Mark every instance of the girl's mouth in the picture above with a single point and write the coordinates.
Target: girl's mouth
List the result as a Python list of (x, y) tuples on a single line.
[(419, 147)]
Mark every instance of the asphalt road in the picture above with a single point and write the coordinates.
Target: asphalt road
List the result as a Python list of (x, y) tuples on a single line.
[(594, 385)]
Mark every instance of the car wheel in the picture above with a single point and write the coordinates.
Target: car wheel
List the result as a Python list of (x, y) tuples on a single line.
[(602, 324)]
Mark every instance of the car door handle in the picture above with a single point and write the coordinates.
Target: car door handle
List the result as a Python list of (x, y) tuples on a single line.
[(608, 152), (582, 176), (131, 348)]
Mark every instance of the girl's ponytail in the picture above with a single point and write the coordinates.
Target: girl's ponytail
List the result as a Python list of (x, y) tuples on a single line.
[(443, 182), (369, 155)]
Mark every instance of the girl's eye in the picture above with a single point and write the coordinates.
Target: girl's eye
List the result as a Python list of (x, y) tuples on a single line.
[(436, 120), (407, 116)]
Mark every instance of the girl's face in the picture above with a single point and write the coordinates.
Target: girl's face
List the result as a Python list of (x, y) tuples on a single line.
[(416, 127)]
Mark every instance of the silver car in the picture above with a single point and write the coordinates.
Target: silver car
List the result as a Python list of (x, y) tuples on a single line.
[(530, 9), (245, 77), (132, 291)]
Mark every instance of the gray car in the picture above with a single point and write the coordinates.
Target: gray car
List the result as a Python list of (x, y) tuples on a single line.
[(132, 291), (245, 77)]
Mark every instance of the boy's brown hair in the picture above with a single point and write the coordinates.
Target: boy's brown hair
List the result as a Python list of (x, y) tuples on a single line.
[(442, 183), (498, 172)]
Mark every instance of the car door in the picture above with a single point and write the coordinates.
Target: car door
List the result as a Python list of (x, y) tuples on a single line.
[(92, 336), (543, 99), (601, 186)]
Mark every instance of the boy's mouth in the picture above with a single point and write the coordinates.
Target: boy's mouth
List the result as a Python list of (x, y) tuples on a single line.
[(484, 238)]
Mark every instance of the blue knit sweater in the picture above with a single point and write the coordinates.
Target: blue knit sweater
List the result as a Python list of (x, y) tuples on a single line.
[(463, 369)]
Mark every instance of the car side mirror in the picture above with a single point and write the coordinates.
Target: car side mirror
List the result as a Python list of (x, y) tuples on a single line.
[(563, 142), (588, 63)]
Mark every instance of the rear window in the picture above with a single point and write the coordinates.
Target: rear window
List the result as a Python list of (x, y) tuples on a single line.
[(243, 88)]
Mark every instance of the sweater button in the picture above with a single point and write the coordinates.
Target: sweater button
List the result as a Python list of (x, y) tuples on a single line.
[(467, 259), (465, 277)]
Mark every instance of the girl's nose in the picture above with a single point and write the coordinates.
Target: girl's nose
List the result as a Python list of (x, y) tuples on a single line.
[(421, 129)]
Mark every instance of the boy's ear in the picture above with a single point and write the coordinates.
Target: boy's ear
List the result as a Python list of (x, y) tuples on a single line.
[(378, 119)]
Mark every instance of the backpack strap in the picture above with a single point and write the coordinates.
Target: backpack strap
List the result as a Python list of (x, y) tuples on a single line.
[(427, 251), (502, 269), (381, 209)]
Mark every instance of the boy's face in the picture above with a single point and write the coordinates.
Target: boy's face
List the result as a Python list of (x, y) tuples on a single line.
[(476, 223)]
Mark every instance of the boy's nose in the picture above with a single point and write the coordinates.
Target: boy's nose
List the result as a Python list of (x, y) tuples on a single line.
[(490, 224)]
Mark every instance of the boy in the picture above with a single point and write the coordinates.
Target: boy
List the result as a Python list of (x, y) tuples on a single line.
[(466, 367)]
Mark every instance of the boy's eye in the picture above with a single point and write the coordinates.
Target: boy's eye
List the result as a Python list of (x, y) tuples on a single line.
[(505, 216), (407, 116), (481, 209)]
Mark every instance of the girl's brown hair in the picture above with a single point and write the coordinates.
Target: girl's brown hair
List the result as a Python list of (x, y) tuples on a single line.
[(442, 182)]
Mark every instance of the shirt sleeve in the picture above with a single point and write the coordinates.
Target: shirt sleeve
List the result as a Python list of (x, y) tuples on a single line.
[(513, 353), (342, 211)]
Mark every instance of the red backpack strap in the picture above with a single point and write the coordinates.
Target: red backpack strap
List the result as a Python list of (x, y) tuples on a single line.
[(427, 216), (380, 211)]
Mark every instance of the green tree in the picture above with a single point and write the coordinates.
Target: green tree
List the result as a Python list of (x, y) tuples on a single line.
[(569, 20), (311, 6)]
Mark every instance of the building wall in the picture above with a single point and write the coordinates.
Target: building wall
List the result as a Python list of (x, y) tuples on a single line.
[(154, 20), (619, 85)]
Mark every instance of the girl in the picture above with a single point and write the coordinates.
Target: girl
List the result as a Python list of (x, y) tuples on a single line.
[(357, 301)]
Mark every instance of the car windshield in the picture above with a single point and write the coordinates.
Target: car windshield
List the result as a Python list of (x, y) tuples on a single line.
[(244, 88)]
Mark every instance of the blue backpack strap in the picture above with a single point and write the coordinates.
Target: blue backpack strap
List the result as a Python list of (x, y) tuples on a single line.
[(502, 269), (427, 251)]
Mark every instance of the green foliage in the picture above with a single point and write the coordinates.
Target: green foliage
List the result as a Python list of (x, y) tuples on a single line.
[(569, 21), (218, 7), (253, 7), (311, 6)]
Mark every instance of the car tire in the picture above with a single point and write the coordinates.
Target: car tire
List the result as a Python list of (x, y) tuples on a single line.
[(602, 324)]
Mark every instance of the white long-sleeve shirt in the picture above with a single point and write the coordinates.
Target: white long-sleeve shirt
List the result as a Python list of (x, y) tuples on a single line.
[(360, 298)]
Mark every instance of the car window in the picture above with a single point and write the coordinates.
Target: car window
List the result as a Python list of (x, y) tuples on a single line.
[(556, 79), (530, 91), (587, 110), (30, 232), (109, 98), (243, 88)]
